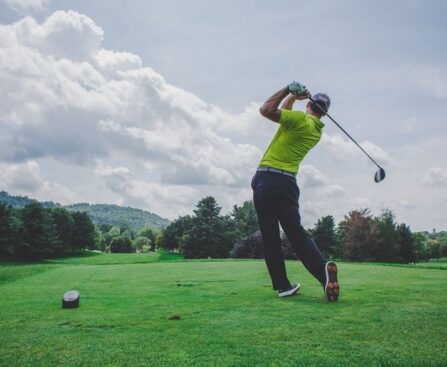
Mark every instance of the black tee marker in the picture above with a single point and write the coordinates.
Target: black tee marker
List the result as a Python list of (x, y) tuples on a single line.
[(70, 299)]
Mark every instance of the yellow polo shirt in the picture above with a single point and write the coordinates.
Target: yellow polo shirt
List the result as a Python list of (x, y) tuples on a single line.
[(298, 133)]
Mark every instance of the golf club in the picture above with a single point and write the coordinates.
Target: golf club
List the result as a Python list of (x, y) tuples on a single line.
[(380, 174)]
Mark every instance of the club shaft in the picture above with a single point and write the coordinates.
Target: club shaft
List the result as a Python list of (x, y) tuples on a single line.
[(347, 134)]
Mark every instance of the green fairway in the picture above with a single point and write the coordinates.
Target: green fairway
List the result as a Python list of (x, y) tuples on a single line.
[(142, 310)]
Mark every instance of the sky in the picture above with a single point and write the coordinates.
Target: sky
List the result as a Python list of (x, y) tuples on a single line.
[(154, 104)]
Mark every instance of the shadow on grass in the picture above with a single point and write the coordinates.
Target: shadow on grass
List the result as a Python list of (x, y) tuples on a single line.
[(75, 255), (12, 273)]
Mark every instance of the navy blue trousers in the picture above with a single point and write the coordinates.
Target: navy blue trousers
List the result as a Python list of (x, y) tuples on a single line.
[(275, 197)]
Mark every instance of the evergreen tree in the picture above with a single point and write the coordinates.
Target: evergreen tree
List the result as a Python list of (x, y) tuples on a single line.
[(84, 231), (406, 244), (210, 235), (387, 238), (64, 225), (39, 237), (9, 230), (171, 235), (245, 219), (324, 235)]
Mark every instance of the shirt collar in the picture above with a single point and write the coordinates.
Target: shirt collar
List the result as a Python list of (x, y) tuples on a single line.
[(317, 121)]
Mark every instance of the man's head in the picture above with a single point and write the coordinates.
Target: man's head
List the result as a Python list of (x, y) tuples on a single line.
[(321, 105)]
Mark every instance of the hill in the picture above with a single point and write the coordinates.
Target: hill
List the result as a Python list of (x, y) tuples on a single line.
[(99, 213), (118, 215), (22, 201)]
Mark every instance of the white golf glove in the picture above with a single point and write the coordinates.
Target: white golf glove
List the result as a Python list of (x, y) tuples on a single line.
[(297, 88)]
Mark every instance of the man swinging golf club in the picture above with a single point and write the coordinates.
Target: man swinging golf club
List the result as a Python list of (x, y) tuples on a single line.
[(276, 193)]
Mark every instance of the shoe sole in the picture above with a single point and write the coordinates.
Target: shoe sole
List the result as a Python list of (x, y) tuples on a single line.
[(332, 287), (291, 292)]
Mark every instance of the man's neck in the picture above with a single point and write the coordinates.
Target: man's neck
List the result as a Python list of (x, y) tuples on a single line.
[(311, 113)]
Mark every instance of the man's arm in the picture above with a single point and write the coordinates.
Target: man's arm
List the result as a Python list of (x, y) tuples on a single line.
[(288, 102), (270, 107)]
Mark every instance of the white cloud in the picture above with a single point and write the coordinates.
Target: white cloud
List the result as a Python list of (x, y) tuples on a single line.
[(435, 176), (136, 139), (26, 179), (430, 78), (168, 200), (76, 102), (311, 178), (342, 148), (21, 176), (26, 6)]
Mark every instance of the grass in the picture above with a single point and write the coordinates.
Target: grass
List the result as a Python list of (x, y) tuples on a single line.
[(141, 310), (97, 258)]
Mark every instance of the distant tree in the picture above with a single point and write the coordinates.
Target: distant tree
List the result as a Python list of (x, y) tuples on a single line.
[(433, 249), (141, 243), (64, 224), (126, 230), (210, 235), (387, 238), (339, 238), (325, 235), (249, 247), (171, 235), (83, 232), (287, 249), (39, 237), (359, 242), (158, 241), (100, 242), (9, 231), (443, 248), (151, 235), (122, 244), (420, 246), (104, 228), (109, 236), (245, 219), (406, 244)]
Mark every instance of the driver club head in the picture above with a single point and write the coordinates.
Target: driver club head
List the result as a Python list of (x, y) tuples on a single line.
[(380, 175)]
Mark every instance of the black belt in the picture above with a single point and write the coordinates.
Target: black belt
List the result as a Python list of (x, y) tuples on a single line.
[(271, 169)]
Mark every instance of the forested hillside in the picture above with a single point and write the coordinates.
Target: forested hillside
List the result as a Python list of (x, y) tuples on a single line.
[(117, 215), (20, 202), (99, 213)]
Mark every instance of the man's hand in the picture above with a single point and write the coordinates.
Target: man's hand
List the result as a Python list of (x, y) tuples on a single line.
[(298, 89), (303, 96)]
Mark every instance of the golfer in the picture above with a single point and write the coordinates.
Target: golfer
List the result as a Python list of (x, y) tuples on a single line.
[(276, 193)]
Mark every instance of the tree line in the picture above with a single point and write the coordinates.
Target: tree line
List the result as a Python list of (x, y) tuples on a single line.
[(36, 232), (358, 237)]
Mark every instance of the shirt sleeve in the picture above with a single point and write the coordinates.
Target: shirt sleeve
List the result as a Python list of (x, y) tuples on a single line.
[(291, 119)]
